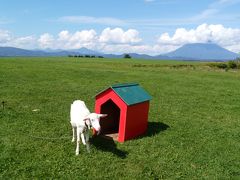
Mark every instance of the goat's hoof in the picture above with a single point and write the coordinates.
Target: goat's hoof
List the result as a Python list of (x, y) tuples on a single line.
[(73, 140), (77, 153)]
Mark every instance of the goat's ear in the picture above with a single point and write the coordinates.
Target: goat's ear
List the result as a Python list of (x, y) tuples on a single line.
[(102, 115)]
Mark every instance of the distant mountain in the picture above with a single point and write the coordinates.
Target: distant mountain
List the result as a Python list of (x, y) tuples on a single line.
[(84, 50), (136, 56), (196, 51), (12, 51), (202, 51), (141, 56), (113, 55)]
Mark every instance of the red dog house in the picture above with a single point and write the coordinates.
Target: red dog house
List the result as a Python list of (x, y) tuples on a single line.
[(127, 107)]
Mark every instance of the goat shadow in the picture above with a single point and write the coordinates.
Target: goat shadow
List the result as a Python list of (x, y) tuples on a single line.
[(108, 145)]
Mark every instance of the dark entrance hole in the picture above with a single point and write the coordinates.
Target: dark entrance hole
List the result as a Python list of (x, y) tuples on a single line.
[(110, 124)]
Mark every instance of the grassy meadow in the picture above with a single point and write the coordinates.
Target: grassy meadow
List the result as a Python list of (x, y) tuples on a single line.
[(194, 120)]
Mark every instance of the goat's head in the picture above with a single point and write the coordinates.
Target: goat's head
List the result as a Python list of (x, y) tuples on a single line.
[(93, 120)]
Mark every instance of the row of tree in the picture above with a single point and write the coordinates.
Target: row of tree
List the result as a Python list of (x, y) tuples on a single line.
[(127, 56), (85, 56)]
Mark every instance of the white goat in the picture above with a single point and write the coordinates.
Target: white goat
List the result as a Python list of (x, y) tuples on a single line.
[(82, 121)]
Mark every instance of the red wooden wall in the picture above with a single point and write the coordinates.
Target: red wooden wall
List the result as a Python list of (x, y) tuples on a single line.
[(133, 119)]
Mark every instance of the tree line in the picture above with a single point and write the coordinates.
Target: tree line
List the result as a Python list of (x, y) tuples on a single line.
[(85, 56), (126, 56)]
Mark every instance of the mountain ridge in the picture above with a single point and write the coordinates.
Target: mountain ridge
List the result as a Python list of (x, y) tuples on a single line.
[(203, 51), (194, 51)]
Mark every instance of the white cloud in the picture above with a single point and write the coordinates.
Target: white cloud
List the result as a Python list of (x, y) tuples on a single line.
[(28, 42), (226, 37), (89, 39), (67, 40), (46, 40), (5, 36), (84, 38), (8, 39), (119, 41), (118, 35), (64, 35), (92, 20)]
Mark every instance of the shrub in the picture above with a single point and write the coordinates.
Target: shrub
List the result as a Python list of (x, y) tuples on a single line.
[(222, 66), (127, 56), (232, 64)]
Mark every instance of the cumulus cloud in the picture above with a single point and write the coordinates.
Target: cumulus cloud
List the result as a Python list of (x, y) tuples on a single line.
[(117, 35), (117, 40), (29, 42), (84, 38), (5, 36), (89, 39), (8, 39), (67, 40), (226, 37), (46, 40)]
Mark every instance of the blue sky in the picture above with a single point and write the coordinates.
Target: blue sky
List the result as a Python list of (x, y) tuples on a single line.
[(143, 26)]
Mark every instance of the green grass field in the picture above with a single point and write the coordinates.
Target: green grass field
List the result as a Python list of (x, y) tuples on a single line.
[(194, 120)]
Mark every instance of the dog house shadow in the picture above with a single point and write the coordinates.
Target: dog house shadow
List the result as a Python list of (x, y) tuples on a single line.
[(155, 128), (108, 145)]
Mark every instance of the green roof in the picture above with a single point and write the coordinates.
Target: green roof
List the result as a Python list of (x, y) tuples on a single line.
[(131, 93)]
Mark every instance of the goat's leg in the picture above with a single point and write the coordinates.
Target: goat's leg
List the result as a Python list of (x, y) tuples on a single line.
[(87, 141), (83, 138), (78, 141), (73, 131)]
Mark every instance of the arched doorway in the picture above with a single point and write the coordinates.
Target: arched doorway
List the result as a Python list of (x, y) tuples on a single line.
[(110, 124)]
